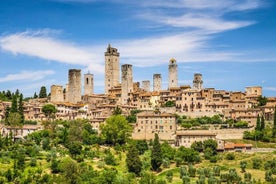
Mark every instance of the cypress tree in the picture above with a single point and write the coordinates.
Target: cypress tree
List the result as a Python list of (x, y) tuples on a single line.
[(262, 123), (43, 92), (35, 95), (133, 161), (14, 107), (258, 123), (156, 154), (21, 108)]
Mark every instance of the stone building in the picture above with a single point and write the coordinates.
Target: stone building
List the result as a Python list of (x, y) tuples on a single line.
[(197, 82), (149, 122), (157, 82), (57, 94), (74, 86), (112, 68), (127, 83), (146, 85), (88, 84), (173, 74)]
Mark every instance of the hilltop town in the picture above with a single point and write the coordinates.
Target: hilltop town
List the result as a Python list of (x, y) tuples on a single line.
[(157, 107)]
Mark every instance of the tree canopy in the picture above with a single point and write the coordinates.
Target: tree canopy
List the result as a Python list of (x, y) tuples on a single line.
[(116, 130)]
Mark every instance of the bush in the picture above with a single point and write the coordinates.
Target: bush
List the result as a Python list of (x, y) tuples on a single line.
[(256, 163), (169, 176), (230, 156)]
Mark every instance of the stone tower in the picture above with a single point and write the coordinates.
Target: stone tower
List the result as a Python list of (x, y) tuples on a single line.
[(57, 93), (197, 82), (88, 84), (112, 65), (74, 86), (146, 85), (173, 76), (127, 82), (157, 82)]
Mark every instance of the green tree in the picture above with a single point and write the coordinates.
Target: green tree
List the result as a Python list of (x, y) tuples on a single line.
[(35, 95), (147, 178), (70, 171), (256, 163), (262, 100), (117, 111), (21, 108), (167, 150), (142, 146), (116, 130), (75, 148), (14, 106), (274, 123), (14, 120), (156, 154), (49, 110), (133, 161), (243, 165), (258, 123), (262, 123), (43, 92), (169, 176), (198, 146)]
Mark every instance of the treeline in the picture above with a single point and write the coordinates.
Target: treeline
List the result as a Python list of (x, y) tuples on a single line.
[(187, 122), (262, 131)]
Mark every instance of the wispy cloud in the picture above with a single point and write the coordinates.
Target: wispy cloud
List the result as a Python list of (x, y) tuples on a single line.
[(27, 75), (270, 88), (43, 44)]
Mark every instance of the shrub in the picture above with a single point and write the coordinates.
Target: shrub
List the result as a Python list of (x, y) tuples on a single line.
[(230, 156)]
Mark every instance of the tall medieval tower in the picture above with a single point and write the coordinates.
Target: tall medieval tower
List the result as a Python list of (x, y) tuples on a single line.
[(173, 79), (74, 86), (197, 82), (157, 82), (88, 84), (127, 82), (146, 85), (57, 93), (112, 75)]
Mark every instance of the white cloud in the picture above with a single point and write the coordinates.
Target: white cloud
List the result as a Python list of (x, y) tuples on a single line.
[(27, 75), (270, 88), (41, 44)]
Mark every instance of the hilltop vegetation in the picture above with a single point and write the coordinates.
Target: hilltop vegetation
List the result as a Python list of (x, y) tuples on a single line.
[(72, 152)]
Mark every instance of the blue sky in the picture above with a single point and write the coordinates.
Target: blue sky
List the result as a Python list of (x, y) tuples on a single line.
[(231, 42)]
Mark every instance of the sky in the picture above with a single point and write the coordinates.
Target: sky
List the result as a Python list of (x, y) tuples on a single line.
[(232, 43)]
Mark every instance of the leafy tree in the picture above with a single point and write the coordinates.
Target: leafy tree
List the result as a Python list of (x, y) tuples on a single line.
[(109, 158), (262, 100), (116, 130), (49, 110), (75, 148), (230, 156), (156, 154), (167, 150), (186, 155), (142, 146), (133, 161), (43, 92), (70, 171), (243, 165), (14, 120), (147, 178), (197, 146), (117, 111), (169, 176), (257, 163), (268, 176)]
